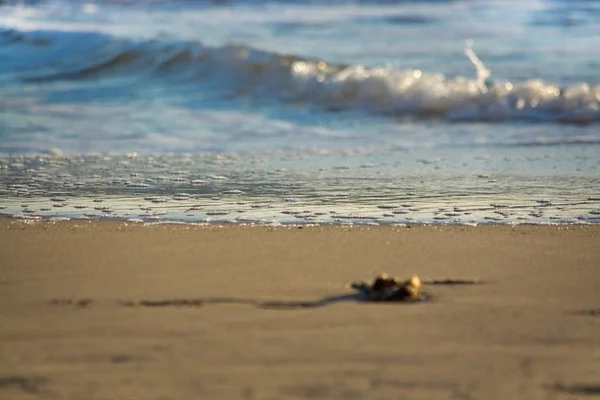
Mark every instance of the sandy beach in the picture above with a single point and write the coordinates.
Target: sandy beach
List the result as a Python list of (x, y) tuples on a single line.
[(109, 310)]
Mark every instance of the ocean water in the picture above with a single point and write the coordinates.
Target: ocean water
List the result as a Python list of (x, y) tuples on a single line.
[(316, 111)]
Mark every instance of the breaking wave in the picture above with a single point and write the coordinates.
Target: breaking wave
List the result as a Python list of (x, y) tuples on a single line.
[(240, 71)]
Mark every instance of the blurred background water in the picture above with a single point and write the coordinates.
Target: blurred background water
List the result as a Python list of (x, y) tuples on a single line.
[(375, 102)]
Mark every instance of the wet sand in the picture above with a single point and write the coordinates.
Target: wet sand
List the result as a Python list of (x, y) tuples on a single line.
[(107, 310)]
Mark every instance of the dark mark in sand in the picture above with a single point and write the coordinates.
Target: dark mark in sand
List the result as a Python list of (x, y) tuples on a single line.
[(28, 385), (164, 303), (78, 303), (578, 389), (592, 312)]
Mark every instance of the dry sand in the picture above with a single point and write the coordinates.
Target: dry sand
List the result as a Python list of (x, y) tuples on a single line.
[(531, 332)]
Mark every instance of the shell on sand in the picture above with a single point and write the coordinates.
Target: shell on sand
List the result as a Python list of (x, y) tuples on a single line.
[(386, 288)]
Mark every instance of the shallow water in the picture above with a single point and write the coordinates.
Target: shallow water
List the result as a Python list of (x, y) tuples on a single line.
[(321, 111), (304, 187)]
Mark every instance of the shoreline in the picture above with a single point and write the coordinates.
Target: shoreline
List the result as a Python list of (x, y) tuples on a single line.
[(226, 318), (344, 222)]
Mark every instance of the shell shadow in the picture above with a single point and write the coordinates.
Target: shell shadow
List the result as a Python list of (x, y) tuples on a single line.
[(325, 301), (361, 295), (264, 304)]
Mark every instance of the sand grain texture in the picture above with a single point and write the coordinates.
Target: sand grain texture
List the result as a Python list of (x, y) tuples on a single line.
[(73, 325)]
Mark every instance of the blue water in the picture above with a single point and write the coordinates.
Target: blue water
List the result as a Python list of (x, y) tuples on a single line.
[(352, 108)]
